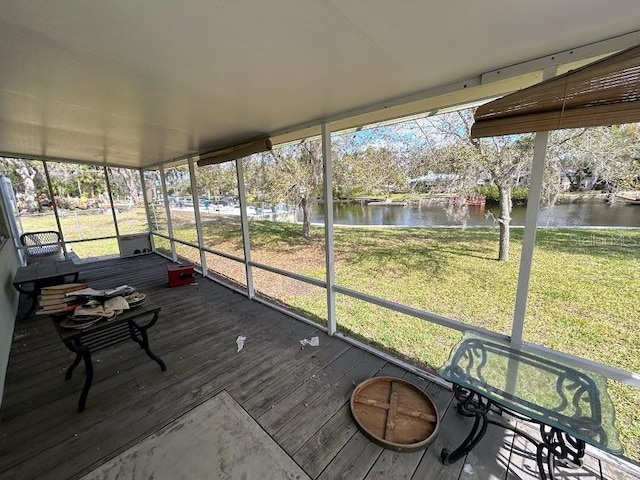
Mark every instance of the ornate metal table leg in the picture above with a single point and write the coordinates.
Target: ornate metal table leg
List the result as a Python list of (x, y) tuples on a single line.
[(558, 445), (145, 345), (86, 355), (33, 295), (72, 367), (133, 328), (470, 404)]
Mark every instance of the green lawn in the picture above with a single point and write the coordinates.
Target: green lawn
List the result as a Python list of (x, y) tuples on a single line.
[(584, 290), (85, 224), (583, 294)]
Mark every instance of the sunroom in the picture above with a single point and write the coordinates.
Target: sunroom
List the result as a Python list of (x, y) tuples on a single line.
[(151, 131)]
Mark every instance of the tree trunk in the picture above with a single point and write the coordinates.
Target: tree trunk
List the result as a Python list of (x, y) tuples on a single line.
[(306, 217), (150, 185), (27, 175), (504, 220)]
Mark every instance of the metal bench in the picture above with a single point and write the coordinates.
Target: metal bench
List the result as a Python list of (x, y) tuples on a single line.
[(45, 246), (104, 334)]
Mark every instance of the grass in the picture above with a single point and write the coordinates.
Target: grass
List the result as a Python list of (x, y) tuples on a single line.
[(583, 293), (585, 285), (86, 225)]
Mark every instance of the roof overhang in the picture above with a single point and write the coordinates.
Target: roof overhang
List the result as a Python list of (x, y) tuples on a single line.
[(138, 83)]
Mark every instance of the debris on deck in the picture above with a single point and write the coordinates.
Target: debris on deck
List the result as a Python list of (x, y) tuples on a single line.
[(314, 342), (240, 342)]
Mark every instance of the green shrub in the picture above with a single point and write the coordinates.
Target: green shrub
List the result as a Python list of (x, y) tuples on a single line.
[(490, 192), (519, 194)]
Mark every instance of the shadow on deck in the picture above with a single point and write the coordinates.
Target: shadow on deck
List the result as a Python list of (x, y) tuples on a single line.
[(299, 396)]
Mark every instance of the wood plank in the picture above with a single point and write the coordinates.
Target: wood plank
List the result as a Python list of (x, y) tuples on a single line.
[(522, 461), (102, 391), (268, 325), (180, 376), (354, 461), (301, 426), (140, 418), (304, 392), (523, 465), (615, 472), (394, 465), (393, 410), (453, 429), (490, 458), (256, 403), (170, 341), (298, 400), (400, 465), (327, 442)]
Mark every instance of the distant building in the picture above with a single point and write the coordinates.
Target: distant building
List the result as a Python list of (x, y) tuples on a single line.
[(442, 182)]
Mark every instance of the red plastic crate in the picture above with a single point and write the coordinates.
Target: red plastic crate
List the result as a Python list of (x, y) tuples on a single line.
[(180, 275)]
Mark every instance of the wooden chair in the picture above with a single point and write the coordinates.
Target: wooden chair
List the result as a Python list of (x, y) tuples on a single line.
[(43, 246)]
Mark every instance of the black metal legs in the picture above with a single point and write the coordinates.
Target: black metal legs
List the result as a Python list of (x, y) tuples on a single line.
[(475, 435), (555, 446), (469, 404), (34, 305), (34, 293), (83, 347), (152, 356), (82, 353), (73, 365), (87, 381)]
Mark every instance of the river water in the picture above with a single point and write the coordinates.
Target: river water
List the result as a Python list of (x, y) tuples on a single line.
[(427, 215)]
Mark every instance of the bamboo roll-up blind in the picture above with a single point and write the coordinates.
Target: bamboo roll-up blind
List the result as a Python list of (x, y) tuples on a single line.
[(606, 92)]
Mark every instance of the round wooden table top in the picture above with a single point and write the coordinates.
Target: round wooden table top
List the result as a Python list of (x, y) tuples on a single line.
[(395, 413)]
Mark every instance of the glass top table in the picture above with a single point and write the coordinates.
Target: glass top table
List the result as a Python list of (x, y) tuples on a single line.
[(571, 401)]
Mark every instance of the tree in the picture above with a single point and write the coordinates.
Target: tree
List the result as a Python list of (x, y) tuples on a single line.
[(296, 175), (505, 158), (151, 182), (126, 182), (368, 171), (371, 161), (28, 174), (217, 180), (598, 157), (178, 180)]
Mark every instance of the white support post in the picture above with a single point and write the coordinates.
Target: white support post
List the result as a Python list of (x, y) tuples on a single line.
[(113, 209), (529, 239), (55, 207), (328, 228), (245, 228), (196, 212), (174, 256), (145, 199)]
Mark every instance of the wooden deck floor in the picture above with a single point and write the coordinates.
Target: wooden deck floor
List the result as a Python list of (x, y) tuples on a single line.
[(298, 395)]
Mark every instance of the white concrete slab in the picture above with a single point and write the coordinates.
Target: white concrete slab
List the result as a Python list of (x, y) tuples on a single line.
[(216, 440)]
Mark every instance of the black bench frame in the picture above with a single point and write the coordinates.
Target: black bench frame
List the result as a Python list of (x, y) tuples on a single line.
[(104, 334)]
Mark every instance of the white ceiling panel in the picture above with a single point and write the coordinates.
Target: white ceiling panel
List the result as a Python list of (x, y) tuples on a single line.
[(136, 83)]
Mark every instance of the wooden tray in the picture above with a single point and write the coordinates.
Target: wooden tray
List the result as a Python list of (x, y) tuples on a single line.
[(395, 413)]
